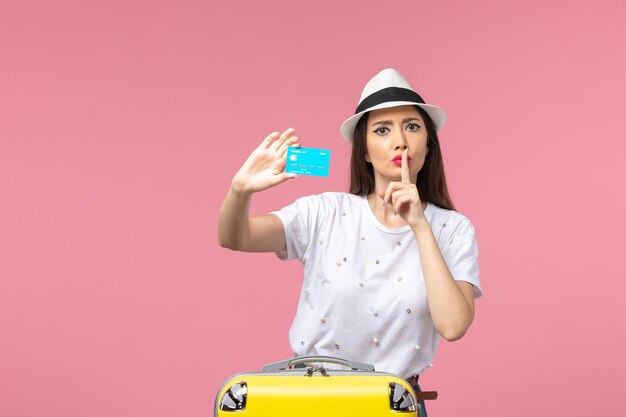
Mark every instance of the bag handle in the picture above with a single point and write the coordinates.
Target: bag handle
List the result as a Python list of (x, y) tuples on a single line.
[(426, 395), (355, 366)]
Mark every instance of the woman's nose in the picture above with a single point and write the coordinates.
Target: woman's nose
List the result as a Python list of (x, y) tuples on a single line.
[(400, 142)]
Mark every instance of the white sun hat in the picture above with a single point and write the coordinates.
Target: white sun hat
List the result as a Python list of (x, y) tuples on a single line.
[(387, 89)]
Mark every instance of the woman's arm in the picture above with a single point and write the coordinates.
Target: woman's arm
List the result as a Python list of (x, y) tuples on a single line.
[(237, 231), (263, 169), (451, 302)]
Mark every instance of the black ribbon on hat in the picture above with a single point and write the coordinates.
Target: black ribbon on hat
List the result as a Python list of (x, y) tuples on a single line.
[(389, 94)]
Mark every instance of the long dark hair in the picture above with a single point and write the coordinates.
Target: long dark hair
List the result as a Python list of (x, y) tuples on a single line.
[(431, 180)]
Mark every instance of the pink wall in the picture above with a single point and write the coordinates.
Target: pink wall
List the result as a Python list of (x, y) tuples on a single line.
[(122, 122)]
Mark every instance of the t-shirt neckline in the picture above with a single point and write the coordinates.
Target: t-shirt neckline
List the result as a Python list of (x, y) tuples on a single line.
[(392, 230)]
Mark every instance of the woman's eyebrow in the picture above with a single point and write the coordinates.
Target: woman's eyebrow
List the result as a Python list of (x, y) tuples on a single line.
[(388, 122)]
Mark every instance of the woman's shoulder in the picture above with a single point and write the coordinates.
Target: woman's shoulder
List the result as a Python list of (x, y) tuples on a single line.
[(332, 199), (322, 208), (453, 225), (446, 214)]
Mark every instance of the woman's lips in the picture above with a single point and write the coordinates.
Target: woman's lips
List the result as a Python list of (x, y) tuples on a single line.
[(398, 160)]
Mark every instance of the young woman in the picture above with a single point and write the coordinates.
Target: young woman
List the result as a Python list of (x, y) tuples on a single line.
[(388, 267)]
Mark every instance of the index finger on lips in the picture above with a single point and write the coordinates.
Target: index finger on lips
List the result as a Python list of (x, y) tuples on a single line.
[(405, 166)]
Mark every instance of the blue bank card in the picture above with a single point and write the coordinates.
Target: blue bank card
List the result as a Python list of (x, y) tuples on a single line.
[(308, 161)]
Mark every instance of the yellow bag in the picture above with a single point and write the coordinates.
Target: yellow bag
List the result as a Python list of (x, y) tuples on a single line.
[(281, 390)]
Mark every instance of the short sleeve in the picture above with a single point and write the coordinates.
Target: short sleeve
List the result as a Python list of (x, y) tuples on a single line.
[(296, 223), (461, 256)]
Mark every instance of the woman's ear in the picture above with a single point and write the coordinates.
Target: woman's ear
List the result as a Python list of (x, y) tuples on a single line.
[(367, 158)]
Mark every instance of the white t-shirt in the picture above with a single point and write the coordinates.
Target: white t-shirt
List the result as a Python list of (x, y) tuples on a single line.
[(363, 296)]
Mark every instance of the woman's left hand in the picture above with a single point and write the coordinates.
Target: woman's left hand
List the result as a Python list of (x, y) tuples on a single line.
[(404, 197)]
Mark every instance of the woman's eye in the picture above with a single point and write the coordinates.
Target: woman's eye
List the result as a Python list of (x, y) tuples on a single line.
[(381, 130), (413, 127)]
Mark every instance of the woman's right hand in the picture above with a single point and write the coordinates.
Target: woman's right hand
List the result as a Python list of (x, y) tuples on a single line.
[(265, 167)]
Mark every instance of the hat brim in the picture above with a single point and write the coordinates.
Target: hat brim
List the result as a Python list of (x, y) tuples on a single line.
[(437, 114)]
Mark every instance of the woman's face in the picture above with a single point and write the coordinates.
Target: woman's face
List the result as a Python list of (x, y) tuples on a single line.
[(389, 132)]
